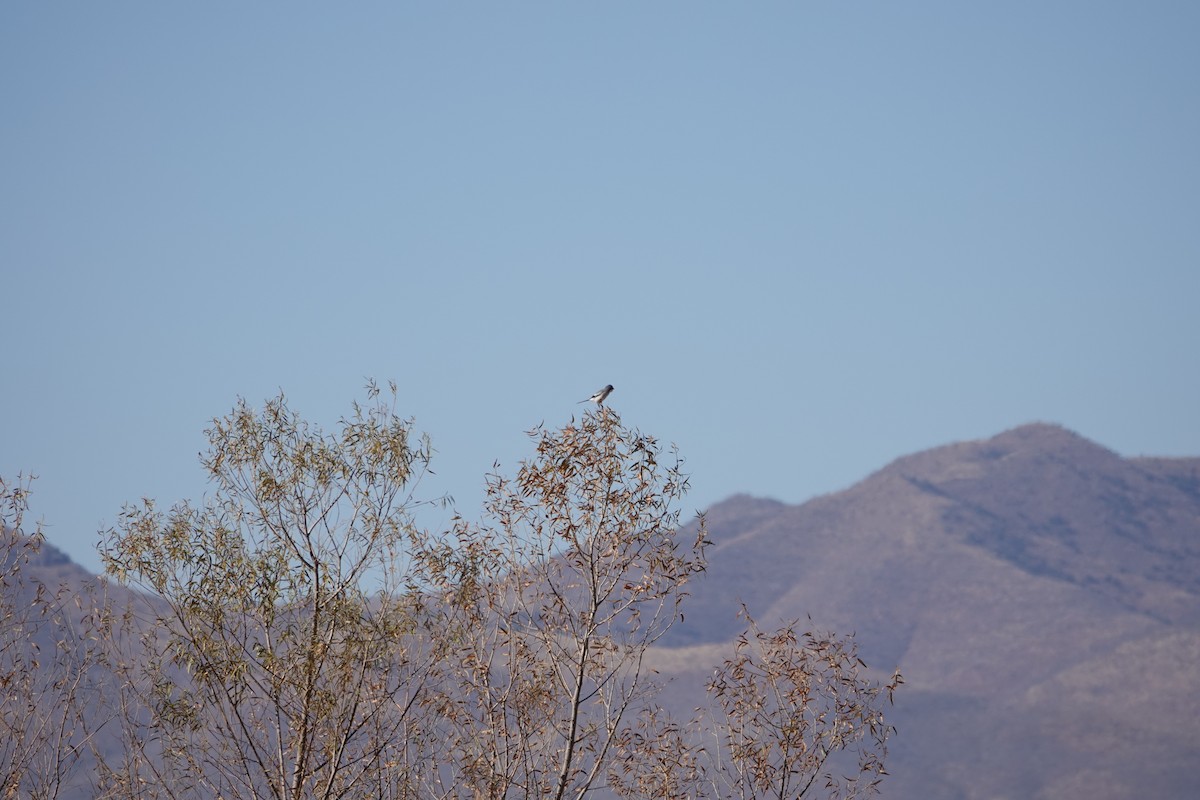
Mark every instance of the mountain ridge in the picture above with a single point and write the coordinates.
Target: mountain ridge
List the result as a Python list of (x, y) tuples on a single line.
[(1038, 591)]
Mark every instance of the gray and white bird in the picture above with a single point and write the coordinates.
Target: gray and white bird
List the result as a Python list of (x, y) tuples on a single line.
[(598, 397)]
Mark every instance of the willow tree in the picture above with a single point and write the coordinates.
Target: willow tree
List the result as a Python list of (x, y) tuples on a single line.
[(299, 636), (282, 641), (579, 567), (795, 715), (47, 714)]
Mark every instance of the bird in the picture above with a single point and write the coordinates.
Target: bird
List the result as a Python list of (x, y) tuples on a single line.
[(599, 396)]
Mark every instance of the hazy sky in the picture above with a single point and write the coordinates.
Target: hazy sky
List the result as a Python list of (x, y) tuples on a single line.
[(801, 238)]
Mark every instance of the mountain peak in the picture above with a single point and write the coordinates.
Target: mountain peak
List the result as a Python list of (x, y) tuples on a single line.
[(1037, 441), (1057, 504), (46, 563), (1044, 437)]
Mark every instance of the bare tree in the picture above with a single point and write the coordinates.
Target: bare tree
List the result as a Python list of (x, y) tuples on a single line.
[(657, 758), (44, 665), (267, 665), (298, 636), (789, 708), (581, 569)]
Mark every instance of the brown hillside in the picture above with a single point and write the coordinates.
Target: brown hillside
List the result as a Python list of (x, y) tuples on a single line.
[(1038, 591)]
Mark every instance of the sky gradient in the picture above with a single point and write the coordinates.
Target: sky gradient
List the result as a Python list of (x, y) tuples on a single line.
[(801, 239)]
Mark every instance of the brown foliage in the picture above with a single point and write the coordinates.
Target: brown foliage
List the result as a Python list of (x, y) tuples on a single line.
[(580, 570), (787, 703), (44, 666), (298, 636)]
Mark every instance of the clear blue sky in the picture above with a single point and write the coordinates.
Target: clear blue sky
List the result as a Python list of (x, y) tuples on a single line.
[(801, 238)]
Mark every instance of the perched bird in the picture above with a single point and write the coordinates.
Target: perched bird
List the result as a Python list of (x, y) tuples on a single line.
[(598, 397)]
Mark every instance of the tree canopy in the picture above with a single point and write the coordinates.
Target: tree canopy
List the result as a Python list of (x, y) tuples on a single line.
[(298, 635)]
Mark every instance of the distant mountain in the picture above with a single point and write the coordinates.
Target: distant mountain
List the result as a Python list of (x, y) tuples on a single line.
[(1040, 593), (53, 567), (41, 565)]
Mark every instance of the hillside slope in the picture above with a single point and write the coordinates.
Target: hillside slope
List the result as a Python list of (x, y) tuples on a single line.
[(1039, 593)]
